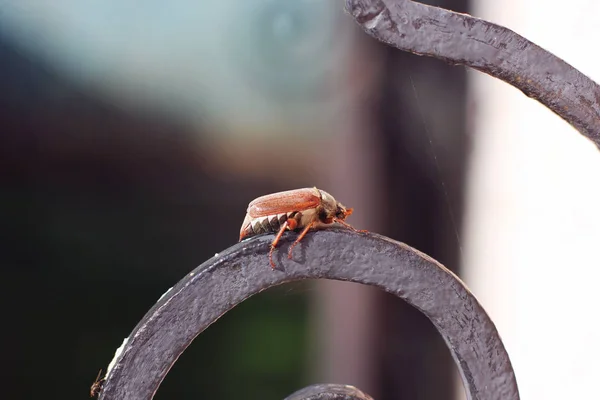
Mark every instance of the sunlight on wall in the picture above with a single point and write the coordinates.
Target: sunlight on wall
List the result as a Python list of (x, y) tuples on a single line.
[(533, 226)]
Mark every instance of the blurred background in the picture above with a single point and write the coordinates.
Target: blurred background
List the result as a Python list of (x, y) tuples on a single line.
[(133, 136)]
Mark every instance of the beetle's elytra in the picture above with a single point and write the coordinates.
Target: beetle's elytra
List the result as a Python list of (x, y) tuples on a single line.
[(291, 210)]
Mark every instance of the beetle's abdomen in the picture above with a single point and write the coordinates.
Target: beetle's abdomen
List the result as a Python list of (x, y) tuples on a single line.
[(266, 224)]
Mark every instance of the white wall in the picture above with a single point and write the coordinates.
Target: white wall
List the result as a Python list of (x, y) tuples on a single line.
[(532, 242)]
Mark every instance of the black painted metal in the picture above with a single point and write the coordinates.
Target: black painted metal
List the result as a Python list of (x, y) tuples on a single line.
[(329, 391), (495, 50), (243, 270)]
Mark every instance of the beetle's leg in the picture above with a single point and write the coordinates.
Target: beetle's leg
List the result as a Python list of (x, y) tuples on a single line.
[(291, 224), (347, 225), (304, 232)]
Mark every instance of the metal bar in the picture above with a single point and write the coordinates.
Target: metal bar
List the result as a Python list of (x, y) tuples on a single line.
[(243, 270), (329, 391), (495, 50)]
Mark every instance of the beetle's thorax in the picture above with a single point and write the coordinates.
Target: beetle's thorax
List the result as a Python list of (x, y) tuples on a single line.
[(327, 207)]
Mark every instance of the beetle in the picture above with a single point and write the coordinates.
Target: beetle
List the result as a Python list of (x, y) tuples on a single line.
[(97, 385), (291, 210)]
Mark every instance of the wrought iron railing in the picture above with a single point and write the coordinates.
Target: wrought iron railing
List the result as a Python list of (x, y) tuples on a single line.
[(241, 271)]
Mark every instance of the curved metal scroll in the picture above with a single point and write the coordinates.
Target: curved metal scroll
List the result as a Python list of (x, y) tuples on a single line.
[(495, 50), (243, 270)]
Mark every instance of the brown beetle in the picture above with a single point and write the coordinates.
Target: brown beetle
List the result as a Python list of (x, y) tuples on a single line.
[(97, 385), (290, 210)]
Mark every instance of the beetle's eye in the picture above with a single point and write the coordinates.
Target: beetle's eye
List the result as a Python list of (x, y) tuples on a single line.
[(322, 214)]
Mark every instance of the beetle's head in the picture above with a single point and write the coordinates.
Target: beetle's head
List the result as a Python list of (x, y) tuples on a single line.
[(332, 209), (342, 212)]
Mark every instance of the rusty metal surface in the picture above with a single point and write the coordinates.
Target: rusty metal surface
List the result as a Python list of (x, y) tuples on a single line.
[(243, 270), (495, 50)]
